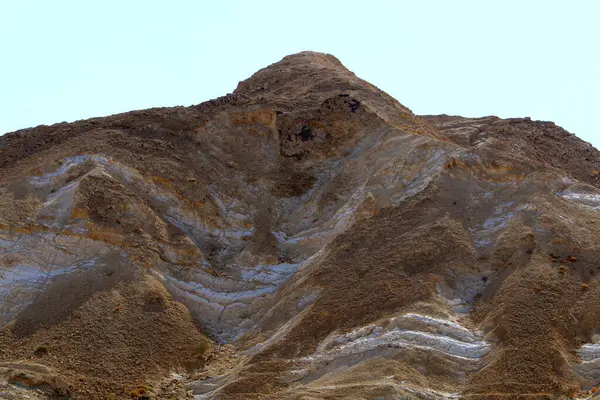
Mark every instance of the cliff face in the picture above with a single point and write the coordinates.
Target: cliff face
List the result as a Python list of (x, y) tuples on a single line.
[(306, 236)]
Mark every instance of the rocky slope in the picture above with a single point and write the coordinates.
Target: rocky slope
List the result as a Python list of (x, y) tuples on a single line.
[(304, 237)]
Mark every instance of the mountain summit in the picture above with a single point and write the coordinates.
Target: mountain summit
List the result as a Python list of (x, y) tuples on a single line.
[(304, 237)]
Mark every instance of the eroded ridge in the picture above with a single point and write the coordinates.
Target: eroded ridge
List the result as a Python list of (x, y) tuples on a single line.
[(306, 236)]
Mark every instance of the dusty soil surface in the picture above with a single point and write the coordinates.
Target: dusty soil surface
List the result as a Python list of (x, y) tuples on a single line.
[(120, 337)]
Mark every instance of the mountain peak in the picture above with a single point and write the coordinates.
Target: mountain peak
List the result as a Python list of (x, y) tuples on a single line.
[(303, 81), (300, 69), (281, 240)]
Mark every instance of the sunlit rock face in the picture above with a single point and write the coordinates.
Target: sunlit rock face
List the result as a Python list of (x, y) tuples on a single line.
[(327, 241)]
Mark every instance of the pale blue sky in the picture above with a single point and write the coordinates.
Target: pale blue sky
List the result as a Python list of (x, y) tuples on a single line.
[(68, 60)]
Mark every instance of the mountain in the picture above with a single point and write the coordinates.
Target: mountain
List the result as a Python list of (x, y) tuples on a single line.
[(304, 237)]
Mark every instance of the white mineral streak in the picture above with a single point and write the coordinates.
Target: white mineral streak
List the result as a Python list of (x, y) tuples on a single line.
[(409, 331), (589, 354)]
